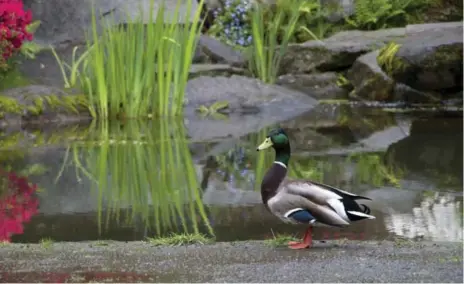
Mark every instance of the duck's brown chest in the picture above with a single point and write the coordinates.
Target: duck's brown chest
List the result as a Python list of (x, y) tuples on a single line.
[(271, 182)]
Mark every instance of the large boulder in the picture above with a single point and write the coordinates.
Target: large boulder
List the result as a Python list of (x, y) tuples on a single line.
[(336, 52), (371, 83), (252, 105), (65, 21), (429, 60), (317, 85)]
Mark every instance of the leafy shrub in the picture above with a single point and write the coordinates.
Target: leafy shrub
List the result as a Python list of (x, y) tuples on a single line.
[(312, 20), (232, 23), (14, 21), (378, 14)]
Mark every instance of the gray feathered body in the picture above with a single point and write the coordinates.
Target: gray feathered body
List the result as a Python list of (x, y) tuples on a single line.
[(307, 202)]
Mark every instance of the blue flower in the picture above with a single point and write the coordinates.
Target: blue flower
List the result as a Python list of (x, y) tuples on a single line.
[(233, 20)]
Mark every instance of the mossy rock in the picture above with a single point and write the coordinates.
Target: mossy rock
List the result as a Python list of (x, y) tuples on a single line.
[(38, 104), (337, 52), (427, 61), (372, 83)]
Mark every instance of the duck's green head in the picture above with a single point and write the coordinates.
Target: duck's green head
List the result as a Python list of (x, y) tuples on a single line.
[(276, 139)]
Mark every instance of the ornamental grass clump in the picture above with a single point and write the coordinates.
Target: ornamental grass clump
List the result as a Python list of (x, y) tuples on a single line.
[(271, 38), (140, 69)]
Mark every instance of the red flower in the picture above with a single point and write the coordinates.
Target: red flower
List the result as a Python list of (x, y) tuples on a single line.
[(13, 23)]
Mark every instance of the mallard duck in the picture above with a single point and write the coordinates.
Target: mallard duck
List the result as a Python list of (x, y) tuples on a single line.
[(302, 201)]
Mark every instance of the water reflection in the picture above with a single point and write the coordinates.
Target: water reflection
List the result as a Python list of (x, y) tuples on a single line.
[(147, 168), (427, 219), (17, 204), (128, 180)]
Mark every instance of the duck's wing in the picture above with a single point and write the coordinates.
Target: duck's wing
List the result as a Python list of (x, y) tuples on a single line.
[(318, 192), (297, 209), (340, 201)]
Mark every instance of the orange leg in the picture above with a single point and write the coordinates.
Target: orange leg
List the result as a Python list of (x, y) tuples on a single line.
[(306, 243)]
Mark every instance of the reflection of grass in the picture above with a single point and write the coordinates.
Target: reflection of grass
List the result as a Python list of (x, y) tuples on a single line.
[(263, 159), (180, 239), (310, 169), (280, 240), (46, 243), (147, 168), (371, 169)]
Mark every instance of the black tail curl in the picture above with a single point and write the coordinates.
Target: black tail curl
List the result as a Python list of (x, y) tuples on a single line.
[(366, 209)]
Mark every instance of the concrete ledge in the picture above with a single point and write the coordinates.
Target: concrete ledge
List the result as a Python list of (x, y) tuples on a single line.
[(251, 261)]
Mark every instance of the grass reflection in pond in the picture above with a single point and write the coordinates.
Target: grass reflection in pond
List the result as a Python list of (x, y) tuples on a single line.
[(245, 165), (146, 167)]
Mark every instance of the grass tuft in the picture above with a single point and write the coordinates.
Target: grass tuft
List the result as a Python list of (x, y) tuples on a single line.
[(46, 242), (181, 239), (280, 240)]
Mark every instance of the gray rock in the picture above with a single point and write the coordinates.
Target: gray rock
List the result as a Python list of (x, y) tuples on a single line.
[(431, 27), (430, 60), (275, 104), (318, 85), (65, 21), (212, 70), (371, 83), (220, 52), (337, 52)]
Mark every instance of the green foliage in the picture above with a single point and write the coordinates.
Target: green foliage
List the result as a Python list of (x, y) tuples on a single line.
[(378, 14), (270, 39), (313, 24), (29, 49), (124, 78), (213, 109)]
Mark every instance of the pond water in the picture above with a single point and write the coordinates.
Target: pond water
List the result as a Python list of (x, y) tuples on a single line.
[(132, 180)]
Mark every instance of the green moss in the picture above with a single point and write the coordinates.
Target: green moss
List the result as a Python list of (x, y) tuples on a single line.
[(13, 79), (379, 88), (344, 83), (388, 60), (447, 54), (40, 104), (9, 105)]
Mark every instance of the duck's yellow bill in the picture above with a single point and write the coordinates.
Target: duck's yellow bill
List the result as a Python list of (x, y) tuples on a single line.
[(266, 144)]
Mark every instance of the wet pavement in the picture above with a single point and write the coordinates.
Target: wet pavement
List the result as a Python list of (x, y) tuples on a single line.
[(253, 261)]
